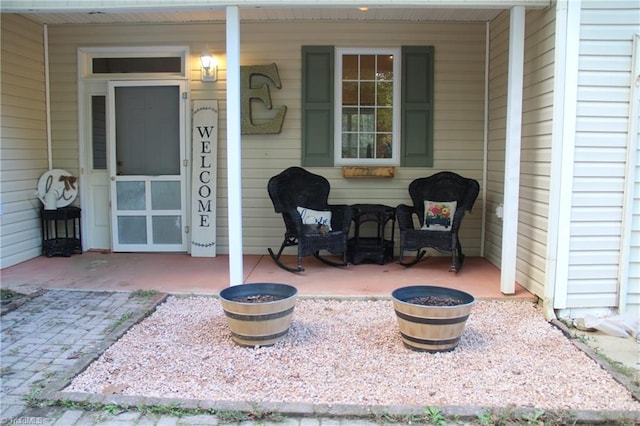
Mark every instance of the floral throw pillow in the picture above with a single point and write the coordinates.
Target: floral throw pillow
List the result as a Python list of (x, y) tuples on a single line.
[(438, 215), (315, 217)]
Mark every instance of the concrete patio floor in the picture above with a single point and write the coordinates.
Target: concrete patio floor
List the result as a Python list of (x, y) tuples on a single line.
[(181, 273)]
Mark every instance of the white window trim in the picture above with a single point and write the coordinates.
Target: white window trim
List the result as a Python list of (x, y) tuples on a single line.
[(395, 147), (87, 54)]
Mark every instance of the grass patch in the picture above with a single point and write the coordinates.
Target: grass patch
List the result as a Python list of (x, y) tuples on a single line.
[(629, 372), (32, 399), (435, 416), (8, 296), (429, 416), (174, 410), (619, 367), (123, 318), (143, 294), (504, 417)]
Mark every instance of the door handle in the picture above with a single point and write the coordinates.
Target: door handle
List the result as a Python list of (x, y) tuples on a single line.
[(113, 178)]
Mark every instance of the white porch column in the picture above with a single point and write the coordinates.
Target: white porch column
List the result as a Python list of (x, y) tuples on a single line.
[(234, 145), (512, 150)]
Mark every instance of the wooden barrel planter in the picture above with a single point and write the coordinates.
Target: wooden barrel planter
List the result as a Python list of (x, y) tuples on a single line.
[(258, 314), (431, 318)]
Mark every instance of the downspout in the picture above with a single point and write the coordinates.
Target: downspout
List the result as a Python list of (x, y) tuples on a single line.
[(485, 148), (630, 178), (47, 98), (50, 199)]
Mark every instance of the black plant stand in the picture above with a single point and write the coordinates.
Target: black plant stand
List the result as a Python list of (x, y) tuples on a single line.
[(61, 231), (376, 248)]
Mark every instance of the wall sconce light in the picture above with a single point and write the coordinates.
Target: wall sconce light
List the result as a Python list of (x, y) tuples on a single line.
[(209, 67)]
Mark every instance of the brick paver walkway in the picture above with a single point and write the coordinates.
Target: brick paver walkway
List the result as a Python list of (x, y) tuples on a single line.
[(47, 340)]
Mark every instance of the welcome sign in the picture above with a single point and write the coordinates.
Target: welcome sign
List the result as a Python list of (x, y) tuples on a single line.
[(203, 179)]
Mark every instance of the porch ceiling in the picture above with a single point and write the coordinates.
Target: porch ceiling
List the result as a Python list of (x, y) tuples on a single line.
[(270, 14), (159, 11)]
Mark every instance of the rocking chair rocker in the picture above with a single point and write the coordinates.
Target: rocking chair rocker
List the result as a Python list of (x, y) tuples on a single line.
[(311, 223), (440, 202)]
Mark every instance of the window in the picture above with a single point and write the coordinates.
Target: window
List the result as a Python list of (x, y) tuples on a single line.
[(137, 65), (367, 106), (99, 131), (378, 112), (137, 62)]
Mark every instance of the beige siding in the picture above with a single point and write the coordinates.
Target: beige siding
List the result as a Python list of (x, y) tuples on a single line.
[(498, 64), (535, 171), (458, 135), (606, 33), (23, 149), (535, 144)]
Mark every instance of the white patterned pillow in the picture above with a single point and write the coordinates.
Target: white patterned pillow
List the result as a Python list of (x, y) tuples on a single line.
[(315, 217)]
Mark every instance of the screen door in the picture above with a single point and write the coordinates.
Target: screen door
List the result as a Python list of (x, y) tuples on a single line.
[(148, 179)]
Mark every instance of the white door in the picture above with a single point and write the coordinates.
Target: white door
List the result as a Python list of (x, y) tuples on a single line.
[(147, 165)]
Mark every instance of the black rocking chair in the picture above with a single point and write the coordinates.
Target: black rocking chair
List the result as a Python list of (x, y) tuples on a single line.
[(440, 202), (311, 223)]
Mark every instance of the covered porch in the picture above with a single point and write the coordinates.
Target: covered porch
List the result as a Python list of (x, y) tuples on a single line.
[(463, 142), (183, 274)]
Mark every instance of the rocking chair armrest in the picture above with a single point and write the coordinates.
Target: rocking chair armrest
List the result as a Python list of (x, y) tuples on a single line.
[(404, 215), (341, 215), (293, 221), (457, 218)]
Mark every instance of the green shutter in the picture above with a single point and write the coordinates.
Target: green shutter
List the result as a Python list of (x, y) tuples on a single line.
[(317, 105), (417, 106)]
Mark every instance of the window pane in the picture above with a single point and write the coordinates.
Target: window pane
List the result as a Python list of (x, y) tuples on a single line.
[(350, 119), (367, 94), (385, 94), (385, 67), (367, 120), (384, 120), (148, 130), (99, 132), (350, 93), (136, 65), (166, 230), (349, 145), (132, 230), (130, 195), (165, 195), (367, 67), (366, 146), (350, 67), (383, 146)]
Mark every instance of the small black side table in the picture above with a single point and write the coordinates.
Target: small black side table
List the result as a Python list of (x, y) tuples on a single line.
[(377, 248), (61, 231)]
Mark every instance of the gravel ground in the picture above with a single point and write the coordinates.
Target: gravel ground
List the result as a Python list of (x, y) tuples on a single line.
[(350, 352)]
